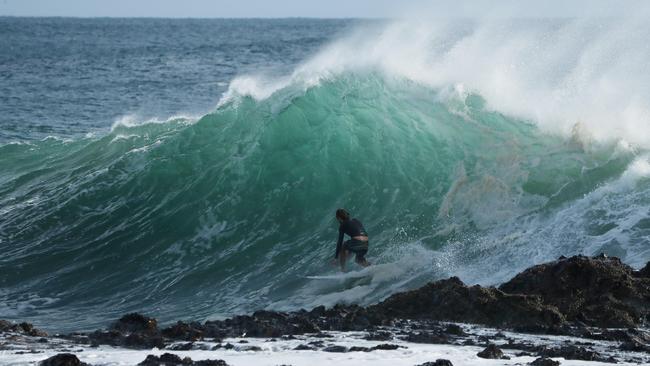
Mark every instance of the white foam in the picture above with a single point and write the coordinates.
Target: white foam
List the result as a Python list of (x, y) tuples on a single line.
[(280, 352), (134, 120), (560, 73)]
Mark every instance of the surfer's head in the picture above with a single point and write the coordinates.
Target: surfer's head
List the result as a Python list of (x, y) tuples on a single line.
[(342, 215)]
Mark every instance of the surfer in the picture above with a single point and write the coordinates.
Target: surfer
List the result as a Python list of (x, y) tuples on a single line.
[(358, 243)]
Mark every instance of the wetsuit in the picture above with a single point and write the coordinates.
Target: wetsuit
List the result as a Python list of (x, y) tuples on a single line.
[(352, 228)]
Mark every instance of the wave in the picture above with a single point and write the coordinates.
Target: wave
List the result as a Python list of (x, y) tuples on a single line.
[(232, 211)]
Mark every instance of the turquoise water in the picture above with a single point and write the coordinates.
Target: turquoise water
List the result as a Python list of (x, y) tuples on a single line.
[(229, 212)]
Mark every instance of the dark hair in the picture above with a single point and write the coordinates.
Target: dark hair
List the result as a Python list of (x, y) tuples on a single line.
[(342, 214)]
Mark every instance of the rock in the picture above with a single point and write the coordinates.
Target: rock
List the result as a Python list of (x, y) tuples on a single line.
[(427, 337), (359, 349), (451, 300), (439, 362), (455, 330), (131, 331), (492, 352), (168, 359), (380, 347), (251, 349), (566, 296), (267, 324), (385, 347), (318, 344), (209, 363), (574, 353), (184, 331), (62, 359), (181, 346), (5, 325), (634, 345), (304, 347), (336, 349), (135, 323), (135, 341), (22, 328), (379, 336), (322, 335), (644, 272), (544, 362), (599, 291)]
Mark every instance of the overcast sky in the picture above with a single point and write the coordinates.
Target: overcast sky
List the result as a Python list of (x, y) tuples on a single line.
[(315, 8)]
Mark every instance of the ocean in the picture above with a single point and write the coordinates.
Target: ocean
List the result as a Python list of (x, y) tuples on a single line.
[(190, 169)]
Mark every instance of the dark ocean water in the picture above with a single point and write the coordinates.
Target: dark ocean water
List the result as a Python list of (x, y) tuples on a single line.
[(190, 169), (67, 77)]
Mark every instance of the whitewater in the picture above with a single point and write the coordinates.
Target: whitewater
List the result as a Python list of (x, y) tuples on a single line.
[(467, 148)]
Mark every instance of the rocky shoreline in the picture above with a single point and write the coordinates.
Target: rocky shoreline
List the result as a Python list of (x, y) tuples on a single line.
[(588, 298)]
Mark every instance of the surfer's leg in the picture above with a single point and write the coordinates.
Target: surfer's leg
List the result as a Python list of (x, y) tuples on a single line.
[(363, 262), (360, 258), (343, 257)]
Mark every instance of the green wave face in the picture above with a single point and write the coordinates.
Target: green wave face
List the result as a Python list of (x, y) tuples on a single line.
[(230, 213)]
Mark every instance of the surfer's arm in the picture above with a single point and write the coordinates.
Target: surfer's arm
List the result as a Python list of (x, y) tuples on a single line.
[(338, 244)]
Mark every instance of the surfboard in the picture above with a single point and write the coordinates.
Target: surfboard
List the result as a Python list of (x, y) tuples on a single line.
[(342, 276)]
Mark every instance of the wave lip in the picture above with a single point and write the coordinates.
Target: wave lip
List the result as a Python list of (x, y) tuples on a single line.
[(556, 73)]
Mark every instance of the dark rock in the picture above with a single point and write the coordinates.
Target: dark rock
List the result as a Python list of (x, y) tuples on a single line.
[(451, 300), (26, 352), (322, 335), (131, 331), (135, 323), (140, 341), (336, 349), (359, 349), (544, 362), (492, 352), (251, 348), (456, 330), (181, 346), (585, 291), (644, 272), (428, 337), (22, 328), (386, 347), (379, 336), (62, 359), (184, 331), (265, 324), (5, 326), (304, 347), (168, 359), (598, 291), (209, 363), (574, 353), (318, 344), (439, 362), (634, 346)]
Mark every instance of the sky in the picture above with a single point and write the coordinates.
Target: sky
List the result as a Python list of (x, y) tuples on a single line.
[(314, 8)]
